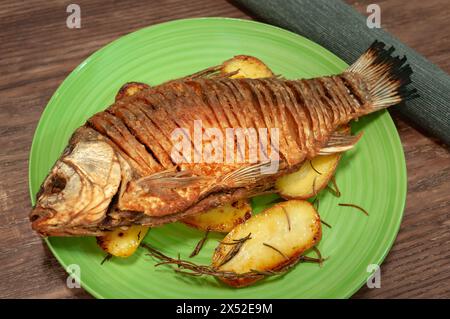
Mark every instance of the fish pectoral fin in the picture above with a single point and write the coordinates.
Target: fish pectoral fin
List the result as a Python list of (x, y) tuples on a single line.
[(340, 142), (170, 179), (246, 175)]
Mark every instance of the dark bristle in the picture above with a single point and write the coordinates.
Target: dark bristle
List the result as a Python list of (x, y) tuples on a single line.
[(411, 94), (390, 50)]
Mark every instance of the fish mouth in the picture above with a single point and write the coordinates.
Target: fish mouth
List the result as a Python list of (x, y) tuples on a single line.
[(39, 218), (42, 222)]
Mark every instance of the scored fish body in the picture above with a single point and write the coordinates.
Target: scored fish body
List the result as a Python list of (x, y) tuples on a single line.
[(125, 165)]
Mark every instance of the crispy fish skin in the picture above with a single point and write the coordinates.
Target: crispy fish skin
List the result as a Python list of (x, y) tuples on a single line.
[(166, 104), (131, 177)]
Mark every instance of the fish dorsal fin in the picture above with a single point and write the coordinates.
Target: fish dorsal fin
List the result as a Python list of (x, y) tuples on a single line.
[(340, 142)]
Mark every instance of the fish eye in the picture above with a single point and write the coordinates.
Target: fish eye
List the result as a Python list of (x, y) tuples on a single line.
[(57, 184)]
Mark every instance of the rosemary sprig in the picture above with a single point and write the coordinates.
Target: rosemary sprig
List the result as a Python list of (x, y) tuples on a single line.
[(325, 223), (199, 245), (107, 258), (355, 206), (287, 218), (314, 186), (189, 268), (316, 203), (237, 244), (319, 255), (235, 241), (315, 170), (335, 189), (276, 249)]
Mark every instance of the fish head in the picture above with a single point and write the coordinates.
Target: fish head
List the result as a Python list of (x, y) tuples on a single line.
[(75, 196)]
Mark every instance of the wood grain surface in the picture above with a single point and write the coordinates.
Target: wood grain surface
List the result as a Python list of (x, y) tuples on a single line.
[(37, 51)]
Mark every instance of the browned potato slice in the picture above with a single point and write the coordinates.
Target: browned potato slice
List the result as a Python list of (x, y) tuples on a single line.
[(290, 228), (122, 242), (129, 89), (311, 178), (248, 66), (222, 219)]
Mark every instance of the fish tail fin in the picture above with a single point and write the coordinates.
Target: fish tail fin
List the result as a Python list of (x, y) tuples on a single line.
[(387, 76)]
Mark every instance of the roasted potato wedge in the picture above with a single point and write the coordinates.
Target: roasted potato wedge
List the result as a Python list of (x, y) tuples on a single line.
[(222, 219), (248, 67), (312, 177), (129, 89), (122, 242), (290, 228)]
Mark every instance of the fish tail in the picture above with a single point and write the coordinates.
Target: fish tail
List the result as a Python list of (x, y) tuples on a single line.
[(386, 76)]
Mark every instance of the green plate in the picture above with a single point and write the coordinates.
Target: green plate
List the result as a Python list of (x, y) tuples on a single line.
[(372, 175)]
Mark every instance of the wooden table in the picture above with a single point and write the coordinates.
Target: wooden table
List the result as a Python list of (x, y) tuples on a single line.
[(37, 51)]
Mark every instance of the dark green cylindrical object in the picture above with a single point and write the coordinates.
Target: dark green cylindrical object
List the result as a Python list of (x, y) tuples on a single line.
[(342, 30)]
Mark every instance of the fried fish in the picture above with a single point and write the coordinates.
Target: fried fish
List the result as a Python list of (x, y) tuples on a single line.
[(153, 157)]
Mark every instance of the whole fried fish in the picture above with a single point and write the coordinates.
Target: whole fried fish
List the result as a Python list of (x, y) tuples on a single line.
[(126, 165)]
